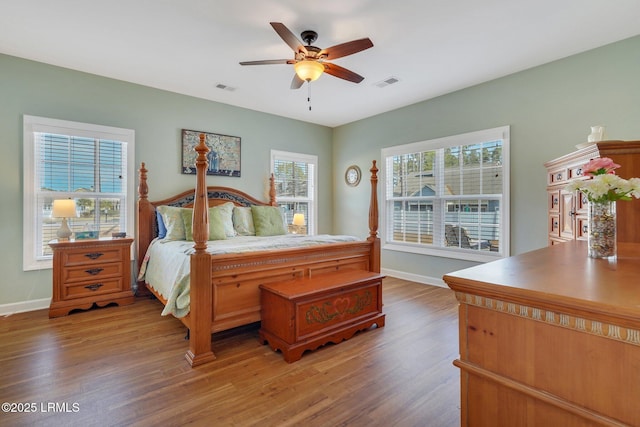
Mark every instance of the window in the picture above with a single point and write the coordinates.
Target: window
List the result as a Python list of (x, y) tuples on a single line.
[(449, 197), (295, 177), (67, 160)]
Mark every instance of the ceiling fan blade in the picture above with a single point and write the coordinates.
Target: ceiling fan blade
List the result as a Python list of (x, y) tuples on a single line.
[(297, 82), (288, 37), (342, 73), (344, 49), (267, 62)]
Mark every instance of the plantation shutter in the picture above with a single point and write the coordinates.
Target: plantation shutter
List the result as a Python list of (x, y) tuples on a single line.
[(448, 196), (295, 188), (91, 171)]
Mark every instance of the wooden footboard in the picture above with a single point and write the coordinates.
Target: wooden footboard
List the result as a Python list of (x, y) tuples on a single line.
[(236, 277), (224, 289)]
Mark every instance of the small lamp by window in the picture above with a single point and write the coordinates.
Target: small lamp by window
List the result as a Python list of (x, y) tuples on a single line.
[(298, 222), (64, 208)]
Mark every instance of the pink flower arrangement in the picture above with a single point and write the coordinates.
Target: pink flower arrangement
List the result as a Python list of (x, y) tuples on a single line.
[(600, 166), (605, 185)]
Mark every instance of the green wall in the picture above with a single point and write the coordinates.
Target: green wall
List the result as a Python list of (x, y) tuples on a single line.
[(157, 117), (550, 109)]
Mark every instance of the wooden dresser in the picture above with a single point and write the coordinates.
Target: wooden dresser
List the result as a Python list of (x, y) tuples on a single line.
[(88, 272), (550, 338), (568, 210)]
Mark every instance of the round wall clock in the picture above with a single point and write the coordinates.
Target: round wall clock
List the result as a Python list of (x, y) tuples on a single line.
[(352, 175)]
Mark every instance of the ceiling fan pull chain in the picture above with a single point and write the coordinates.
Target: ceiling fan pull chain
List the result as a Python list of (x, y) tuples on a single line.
[(309, 94)]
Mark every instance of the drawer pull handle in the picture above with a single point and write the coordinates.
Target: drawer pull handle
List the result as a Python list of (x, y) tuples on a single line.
[(94, 271), (94, 255), (94, 287)]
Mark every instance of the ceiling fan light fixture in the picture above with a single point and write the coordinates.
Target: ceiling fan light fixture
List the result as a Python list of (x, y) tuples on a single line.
[(308, 70)]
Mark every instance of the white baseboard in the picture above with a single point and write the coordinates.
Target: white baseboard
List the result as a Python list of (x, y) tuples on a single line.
[(20, 307), (435, 281)]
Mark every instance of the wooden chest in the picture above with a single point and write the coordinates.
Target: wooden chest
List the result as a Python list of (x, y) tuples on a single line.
[(305, 313)]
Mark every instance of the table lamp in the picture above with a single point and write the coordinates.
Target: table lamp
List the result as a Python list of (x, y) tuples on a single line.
[(298, 221), (64, 208)]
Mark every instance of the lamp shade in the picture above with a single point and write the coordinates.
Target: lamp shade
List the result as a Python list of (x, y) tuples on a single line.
[(298, 219), (64, 208), (308, 70)]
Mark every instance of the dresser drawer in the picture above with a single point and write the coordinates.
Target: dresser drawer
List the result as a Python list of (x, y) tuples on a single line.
[(93, 255), (92, 272), (557, 177), (575, 171), (91, 288)]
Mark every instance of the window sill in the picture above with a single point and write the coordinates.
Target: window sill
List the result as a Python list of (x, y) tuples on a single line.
[(462, 254)]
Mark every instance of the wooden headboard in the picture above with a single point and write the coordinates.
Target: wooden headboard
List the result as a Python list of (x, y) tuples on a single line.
[(147, 228)]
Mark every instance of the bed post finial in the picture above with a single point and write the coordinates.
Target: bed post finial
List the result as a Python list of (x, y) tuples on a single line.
[(373, 206), (143, 189), (272, 191), (146, 227), (373, 221), (200, 202)]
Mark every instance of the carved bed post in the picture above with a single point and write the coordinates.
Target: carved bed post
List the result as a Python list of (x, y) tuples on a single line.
[(144, 231), (200, 315), (272, 191), (373, 221)]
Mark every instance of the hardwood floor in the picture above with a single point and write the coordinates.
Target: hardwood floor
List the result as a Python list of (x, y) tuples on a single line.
[(126, 366)]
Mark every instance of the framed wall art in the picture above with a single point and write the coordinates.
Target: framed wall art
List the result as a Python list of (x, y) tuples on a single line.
[(223, 156)]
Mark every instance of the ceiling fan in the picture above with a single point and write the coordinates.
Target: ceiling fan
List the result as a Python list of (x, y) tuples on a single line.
[(309, 61)]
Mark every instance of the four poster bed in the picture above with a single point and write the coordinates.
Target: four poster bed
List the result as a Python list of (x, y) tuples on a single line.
[(220, 287)]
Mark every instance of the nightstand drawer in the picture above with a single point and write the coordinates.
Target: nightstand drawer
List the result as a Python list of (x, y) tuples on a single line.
[(92, 272), (88, 289), (93, 255)]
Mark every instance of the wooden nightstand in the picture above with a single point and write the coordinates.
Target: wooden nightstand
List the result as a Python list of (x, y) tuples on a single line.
[(88, 272)]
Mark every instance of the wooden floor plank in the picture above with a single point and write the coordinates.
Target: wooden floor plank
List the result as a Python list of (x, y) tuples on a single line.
[(126, 366)]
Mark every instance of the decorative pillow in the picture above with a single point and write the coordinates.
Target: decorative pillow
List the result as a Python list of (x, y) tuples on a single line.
[(268, 220), (243, 221), (162, 229), (226, 215), (172, 218), (216, 226)]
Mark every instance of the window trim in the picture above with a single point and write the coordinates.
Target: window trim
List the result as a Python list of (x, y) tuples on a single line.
[(468, 138), (312, 223), (32, 124)]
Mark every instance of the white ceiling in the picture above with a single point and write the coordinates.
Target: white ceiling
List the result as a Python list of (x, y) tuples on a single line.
[(432, 47)]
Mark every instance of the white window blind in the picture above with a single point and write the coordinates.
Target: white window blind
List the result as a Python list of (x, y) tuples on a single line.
[(449, 197), (86, 163), (295, 176)]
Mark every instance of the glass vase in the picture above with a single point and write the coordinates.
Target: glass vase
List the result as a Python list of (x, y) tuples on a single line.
[(602, 229)]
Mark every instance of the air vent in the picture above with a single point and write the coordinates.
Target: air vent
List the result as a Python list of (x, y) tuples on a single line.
[(387, 82), (225, 87)]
